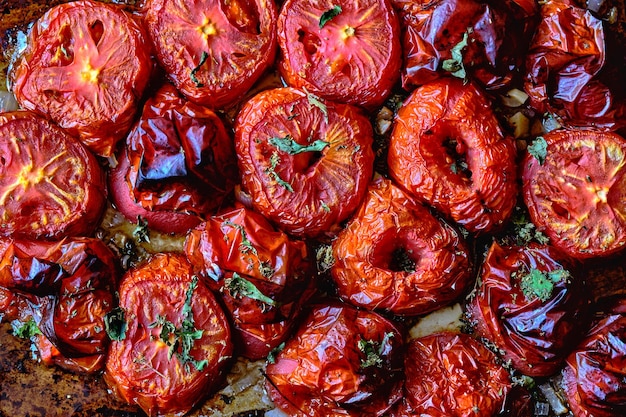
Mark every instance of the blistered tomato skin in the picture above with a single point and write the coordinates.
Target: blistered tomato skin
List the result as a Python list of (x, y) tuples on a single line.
[(345, 51), (535, 330), (448, 150), (395, 256), (305, 162), (85, 67), (50, 185), (213, 50), (576, 197)]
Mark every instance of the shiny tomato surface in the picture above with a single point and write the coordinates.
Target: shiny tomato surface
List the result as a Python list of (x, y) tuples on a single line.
[(85, 66), (213, 50), (576, 195), (448, 150), (177, 343), (305, 163), (345, 51), (262, 275), (395, 256), (531, 304), (50, 185), (342, 362)]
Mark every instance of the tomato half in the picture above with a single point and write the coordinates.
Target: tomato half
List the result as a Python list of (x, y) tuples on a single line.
[(213, 50), (305, 162), (345, 51), (394, 255), (448, 150), (50, 185), (342, 362), (177, 343), (85, 66), (576, 195)]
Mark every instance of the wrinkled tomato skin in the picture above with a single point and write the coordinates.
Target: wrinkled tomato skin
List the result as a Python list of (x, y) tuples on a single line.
[(319, 372), (213, 50), (594, 376), (139, 368), (389, 222), (354, 58), (85, 67), (306, 194), (577, 196), (242, 242), (50, 185), (440, 127), (534, 335)]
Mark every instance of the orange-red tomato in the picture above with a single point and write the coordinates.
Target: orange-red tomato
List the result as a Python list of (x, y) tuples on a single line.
[(85, 66)]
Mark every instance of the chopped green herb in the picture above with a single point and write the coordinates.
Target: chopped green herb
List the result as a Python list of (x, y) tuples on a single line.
[(240, 287), (329, 14), (271, 171), (245, 246), (115, 324), (25, 330), (266, 269), (539, 149), (194, 71), (317, 102), (325, 207), (271, 357), (141, 232), (536, 284), (455, 64), (373, 351), (290, 146)]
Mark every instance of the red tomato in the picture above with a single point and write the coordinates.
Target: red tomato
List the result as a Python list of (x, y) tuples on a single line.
[(576, 196), (177, 343), (345, 51), (179, 164), (342, 362), (305, 163), (213, 51), (531, 304), (86, 66), (448, 150), (261, 274), (50, 185), (396, 256)]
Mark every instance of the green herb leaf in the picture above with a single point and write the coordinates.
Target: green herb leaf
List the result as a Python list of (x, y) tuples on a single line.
[(115, 324), (241, 287), (539, 149), (271, 357), (373, 351), (194, 71), (141, 232), (329, 15), (455, 64), (245, 246), (317, 102), (290, 146), (25, 330), (536, 284), (271, 172)]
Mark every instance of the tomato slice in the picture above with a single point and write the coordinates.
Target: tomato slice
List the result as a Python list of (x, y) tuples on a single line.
[(395, 256), (576, 195), (50, 185), (345, 51), (213, 50), (305, 162), (177, 342), (86, 66)]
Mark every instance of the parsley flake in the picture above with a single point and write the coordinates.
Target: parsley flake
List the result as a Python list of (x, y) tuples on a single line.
[(317, 102), (25, 330), (539, 149), (141, 232), (373, 351), (537, 284), (194, 71), (455, 64), (238, 286), (290, 146), (329, 14), (115, 324), (271, 172)]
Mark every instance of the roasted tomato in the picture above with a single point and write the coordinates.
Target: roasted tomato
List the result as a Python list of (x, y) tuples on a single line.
[(305, 163), (176, 345), (345, 51), (50, 185), (566, 67), (594, 376), (574, 187), (482, 40), (262, 275), (85, 66), (342, 362), (531, 305), (394, 255), (179, 164), (213, 50), (448, 150), (63, 291)]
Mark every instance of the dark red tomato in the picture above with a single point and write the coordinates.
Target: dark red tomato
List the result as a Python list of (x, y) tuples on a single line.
[(345, 51), (576, 195), (262, 275), (85, 66), (484, 41), (66, 288), (342, 362), (594, 376), (213, 50), (50, 185), (394, 255), (179, 161), (177, 343), (565, 69), (305, 163), (448, 150), (531, 304)]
